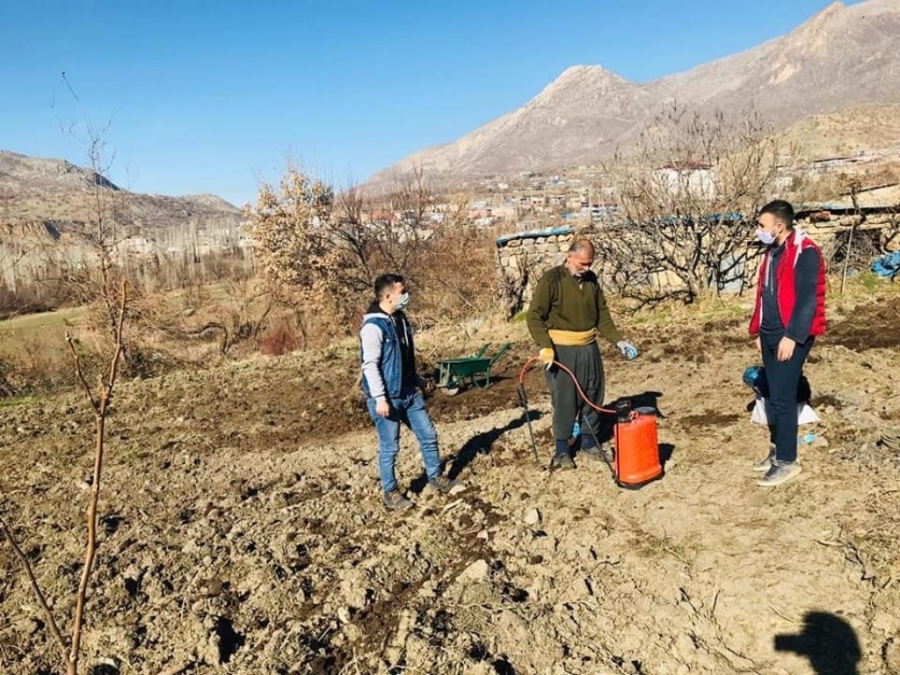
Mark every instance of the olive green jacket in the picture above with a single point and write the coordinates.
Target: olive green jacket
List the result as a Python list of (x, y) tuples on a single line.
[(561, 302)]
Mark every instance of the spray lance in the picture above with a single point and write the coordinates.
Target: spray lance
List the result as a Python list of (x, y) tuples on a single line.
[(523, 399)]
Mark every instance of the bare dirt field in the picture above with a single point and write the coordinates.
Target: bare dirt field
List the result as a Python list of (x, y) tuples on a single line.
[(242, 530)]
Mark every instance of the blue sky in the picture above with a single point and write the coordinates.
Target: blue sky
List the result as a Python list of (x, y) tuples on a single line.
[(214, 96)]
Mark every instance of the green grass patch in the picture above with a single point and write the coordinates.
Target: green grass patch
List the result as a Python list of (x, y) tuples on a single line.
[(26, 323), (13, 402), (869, 280)]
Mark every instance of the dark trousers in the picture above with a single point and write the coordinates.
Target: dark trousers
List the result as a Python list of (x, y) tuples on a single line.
[(783, 378), (568, 405)]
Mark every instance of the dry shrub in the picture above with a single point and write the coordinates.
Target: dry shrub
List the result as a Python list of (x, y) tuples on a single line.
[(193, 293), (857, 254), (196, 326), (279, 339), (318, 254), (40, 366), (7, 390), (458, 277)]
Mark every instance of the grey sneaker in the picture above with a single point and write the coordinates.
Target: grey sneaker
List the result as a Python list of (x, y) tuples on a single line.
[(765, 464), (599, 453), (563, 460), (444, 485), (779, 473), (396, 501)]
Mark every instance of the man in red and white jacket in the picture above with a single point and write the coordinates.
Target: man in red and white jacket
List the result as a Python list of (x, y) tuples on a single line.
[(789, 315)]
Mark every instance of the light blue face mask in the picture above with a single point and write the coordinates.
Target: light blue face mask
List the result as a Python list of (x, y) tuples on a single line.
[(765, 237), (402, 302)]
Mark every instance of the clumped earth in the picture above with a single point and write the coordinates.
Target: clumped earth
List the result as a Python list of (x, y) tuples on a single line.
[(242, 530)]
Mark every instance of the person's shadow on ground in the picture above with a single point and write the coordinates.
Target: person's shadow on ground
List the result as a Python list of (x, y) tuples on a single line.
[(479, 444), (828, 641)]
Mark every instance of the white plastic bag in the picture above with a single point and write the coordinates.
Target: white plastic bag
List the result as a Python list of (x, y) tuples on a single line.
[(805, 414)]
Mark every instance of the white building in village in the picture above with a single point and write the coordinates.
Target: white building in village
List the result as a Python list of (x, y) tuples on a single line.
[(693, 178)]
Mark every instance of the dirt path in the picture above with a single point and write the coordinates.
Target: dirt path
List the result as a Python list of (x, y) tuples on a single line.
[(243, 533)]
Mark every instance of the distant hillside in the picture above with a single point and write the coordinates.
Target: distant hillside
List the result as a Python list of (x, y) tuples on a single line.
[(841, 57), (48, 205), (36, 190), (845, 132)]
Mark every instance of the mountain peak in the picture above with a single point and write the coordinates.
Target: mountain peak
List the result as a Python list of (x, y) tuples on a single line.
[(586, 71), (820, 23), (833, 8), (586, 90), (584, 76), (49, 171)]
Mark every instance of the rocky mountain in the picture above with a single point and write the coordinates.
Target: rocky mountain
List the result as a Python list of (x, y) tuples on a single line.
[(843, 56), (52, 190)]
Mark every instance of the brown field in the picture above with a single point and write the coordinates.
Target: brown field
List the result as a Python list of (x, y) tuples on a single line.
[(242, 530)]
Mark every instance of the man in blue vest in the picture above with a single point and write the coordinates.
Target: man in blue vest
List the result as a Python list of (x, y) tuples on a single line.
[(392, 386)]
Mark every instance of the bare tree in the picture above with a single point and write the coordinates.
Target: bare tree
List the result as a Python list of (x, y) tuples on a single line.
[(102, 285), (861, 218), (684, 200), (70, 649)]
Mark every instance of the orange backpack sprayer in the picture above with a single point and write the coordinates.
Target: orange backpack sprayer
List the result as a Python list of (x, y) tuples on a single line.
[(637, 448), (637, 459)]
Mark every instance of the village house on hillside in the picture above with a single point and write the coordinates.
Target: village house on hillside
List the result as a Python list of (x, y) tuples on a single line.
[(691, 177), (827, 164)]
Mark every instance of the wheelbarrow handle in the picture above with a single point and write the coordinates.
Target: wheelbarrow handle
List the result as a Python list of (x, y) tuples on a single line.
[(481, 351), (503, 350)]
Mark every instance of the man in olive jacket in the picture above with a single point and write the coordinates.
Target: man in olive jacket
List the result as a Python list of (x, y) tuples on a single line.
[(567, 311)]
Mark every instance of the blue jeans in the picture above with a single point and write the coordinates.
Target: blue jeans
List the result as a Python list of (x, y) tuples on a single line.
[(410, 410)]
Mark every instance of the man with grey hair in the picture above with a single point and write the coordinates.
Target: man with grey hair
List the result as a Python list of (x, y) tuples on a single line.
[(567, 311)]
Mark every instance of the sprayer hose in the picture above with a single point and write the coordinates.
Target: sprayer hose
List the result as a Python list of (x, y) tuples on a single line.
[(574, 379)]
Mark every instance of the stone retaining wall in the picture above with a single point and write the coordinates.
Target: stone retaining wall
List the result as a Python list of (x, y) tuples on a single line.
[(525, 256)]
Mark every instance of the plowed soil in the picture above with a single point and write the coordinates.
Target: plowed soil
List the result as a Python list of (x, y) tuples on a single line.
[(242, 530)]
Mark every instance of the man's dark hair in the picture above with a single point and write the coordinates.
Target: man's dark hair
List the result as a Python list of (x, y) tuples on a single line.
[(782, 210), (385, 282)]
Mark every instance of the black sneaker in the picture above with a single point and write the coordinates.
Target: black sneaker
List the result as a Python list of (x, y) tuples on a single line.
[(395, 501), (563, 460), (443, 484)]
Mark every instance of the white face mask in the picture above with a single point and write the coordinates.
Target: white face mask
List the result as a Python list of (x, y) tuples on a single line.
[(765, 237), (402, 302)]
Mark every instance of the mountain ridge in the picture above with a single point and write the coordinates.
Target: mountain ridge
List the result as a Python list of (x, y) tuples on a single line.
[(42, 189), (840, 57)]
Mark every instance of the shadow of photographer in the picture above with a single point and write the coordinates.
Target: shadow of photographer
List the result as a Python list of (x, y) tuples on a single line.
[(828, 641)]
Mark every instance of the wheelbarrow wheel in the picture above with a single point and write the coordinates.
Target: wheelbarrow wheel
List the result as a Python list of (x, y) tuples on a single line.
[(452, 391)]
